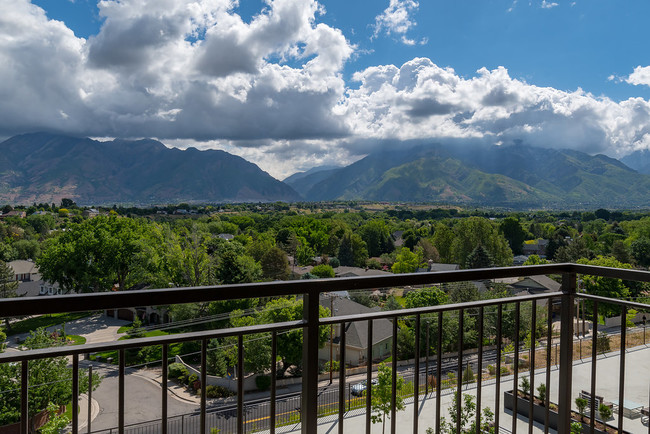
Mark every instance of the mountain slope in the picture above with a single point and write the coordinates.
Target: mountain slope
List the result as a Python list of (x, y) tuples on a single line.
[(44, 168), (639, 161), (302, 182), (509, 176)]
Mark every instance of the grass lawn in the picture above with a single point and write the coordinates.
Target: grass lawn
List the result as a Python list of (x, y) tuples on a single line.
[(76, 340), (174, 349), (30, 324)]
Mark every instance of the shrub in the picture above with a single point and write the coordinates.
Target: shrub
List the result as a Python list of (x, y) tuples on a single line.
[(605, 411), (505, 370), (541, 392), (525, 385), (602, 342), (176, 370), (323, 271), (263, 382), (468, 375), (334, 262), (191, 379), (492, 370), (213, 392)]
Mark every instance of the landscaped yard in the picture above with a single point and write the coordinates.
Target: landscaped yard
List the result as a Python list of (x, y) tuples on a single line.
[(44, 321)]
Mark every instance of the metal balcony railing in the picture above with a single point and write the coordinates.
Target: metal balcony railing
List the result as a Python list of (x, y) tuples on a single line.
[(311, 404)]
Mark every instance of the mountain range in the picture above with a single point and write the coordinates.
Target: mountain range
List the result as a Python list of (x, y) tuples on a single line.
[(43, 167), (511, 176)]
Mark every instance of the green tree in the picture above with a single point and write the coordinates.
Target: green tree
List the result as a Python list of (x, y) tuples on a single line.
[(275, 264), (50, 380), (234, 266), (305, 255), (535, 260), (96, 254), (432, 296), (620, 251), (376, 235), (323, 271), (606, 287), (352, 251), (467, 418), (479, 258), (406, 261), (641, 251), (8, 286), (382, 396), (474, 231), (514, 233), (581, 403), (443, 239)]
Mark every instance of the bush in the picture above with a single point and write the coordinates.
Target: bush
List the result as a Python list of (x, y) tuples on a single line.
[(334, 262), (605, 411), (191, 379), (176, 370), (492, 370), (217, 392), (263, 382), (323, 271), (468, 375), (505, 370), (541, 392)]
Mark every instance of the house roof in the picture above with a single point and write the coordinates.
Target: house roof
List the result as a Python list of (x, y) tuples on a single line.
[(357, 271), (357, 331), (537, 284), (435, 266), (23, 267)]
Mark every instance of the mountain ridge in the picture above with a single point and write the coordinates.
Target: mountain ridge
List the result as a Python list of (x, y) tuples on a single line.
[(41, 167)]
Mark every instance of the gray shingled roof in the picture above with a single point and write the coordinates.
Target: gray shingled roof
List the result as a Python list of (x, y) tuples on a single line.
[(357, 332)]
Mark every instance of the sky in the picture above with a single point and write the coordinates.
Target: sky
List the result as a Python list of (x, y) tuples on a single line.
[(294, 84)]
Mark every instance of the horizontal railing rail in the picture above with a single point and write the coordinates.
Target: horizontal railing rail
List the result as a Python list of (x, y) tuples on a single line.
[(310, 291)]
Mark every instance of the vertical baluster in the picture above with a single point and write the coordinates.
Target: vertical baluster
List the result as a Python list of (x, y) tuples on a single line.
[(393, 396), (515, 379), (204, 377), (310, 339), (416, 379), (479, 369), (240, 384), (549, 347), (566, 352), (274, 356), (621, 381), (90, 399), (531, 357), (342, 377), (120, 392), (459, 378), (497, 397), (439, 372), (163, 384), (369, 379), (75, 393), (24, 403), (594, 355)]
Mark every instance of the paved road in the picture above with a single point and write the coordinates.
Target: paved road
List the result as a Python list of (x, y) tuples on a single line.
[(142, 400)]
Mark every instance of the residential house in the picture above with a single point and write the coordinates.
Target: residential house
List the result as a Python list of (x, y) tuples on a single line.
[(535, 247), (14, 213), (356, 333), (31, 282), (90, 213)]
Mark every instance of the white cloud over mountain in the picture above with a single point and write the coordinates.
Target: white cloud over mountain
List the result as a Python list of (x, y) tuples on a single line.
[(272, 90)]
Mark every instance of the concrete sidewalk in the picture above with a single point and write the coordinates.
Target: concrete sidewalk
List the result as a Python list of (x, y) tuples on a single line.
[(637, 384)]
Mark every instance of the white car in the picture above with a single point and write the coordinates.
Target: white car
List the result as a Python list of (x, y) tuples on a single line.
[(359, 388), (644, 420)]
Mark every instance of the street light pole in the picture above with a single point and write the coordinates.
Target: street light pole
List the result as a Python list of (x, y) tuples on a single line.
[(644, 318)]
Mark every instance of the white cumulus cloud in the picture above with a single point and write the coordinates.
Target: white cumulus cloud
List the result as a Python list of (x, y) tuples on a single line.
[(397, 19), (641, 75)]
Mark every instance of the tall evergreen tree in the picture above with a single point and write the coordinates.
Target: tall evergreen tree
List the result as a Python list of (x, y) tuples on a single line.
[(479, 258)]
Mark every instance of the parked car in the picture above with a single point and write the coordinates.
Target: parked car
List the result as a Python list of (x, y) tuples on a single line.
[(644, 420), (358, 388)]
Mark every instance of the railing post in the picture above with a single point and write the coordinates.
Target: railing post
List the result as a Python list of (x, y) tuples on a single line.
[(566, 352), (309, 405)]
